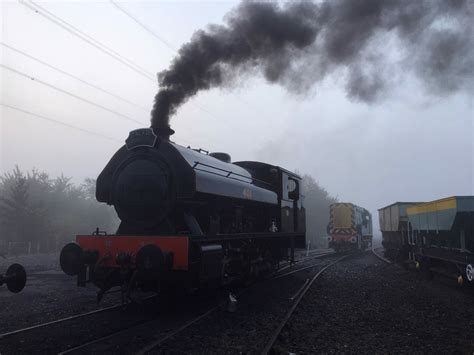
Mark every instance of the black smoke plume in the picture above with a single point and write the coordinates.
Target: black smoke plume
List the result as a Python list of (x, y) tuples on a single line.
[(300, 43)]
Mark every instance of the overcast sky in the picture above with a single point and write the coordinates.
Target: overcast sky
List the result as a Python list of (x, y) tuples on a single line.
[(409, 146)]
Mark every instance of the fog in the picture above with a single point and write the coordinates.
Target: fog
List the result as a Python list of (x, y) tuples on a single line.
[(409, 145)]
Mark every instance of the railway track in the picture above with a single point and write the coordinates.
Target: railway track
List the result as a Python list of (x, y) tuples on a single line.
[(377, 254), (305, 258), (160, 326), (165, 323), (317, 254), (298, 296), (162, 340), (113, 340), (61, 320), (155, 346), (68, 319), (168, 334)]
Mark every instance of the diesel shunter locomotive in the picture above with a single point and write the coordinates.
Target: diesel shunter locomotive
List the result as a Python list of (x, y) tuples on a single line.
[(349, 228), (188, 219)]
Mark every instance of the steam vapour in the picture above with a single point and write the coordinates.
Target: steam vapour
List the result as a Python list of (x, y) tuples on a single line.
[(300, 43)]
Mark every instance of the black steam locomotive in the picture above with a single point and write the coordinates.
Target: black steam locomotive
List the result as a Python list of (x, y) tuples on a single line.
[(188, 218)]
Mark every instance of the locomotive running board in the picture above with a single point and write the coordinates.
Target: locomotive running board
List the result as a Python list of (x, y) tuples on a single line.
[(298, 238)]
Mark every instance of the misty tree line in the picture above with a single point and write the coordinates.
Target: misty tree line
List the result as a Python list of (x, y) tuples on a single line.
[(316, 202), (39, 213)]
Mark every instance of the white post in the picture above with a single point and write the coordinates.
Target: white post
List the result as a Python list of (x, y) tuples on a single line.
[(307, 247)]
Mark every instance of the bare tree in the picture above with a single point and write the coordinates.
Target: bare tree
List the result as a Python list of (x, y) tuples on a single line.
[(38, 213), (316, 201)]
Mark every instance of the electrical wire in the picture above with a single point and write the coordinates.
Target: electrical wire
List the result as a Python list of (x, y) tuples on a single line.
[(98, 45), (171, 47), (69, 93), (145, 27), (166, 43), (88, 39), (67, 125), (72, 76), (45, 118)]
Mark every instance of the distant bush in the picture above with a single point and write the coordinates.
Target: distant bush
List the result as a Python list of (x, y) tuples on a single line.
[(40, 214)]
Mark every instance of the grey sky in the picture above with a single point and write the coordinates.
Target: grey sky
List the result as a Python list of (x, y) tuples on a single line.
[(408, 146)]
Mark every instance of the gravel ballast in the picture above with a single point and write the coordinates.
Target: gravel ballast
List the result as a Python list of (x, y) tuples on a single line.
[(359, 305), (49, 294), (365, 305)]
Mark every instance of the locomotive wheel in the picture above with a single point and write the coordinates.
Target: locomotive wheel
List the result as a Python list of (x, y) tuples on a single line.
[(470, 272), (18, 280)]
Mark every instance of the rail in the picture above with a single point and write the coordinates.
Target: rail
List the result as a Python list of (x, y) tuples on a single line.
[(153, 345), (297, 299), (61, 320), (380, 256)]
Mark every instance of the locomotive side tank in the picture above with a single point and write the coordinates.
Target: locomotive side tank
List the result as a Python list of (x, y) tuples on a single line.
[(187, 218), (349, 228), (164, 188)]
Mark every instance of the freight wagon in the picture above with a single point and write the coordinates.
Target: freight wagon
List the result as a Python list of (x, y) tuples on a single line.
[(393, 221), (442, 237), (436, 236)]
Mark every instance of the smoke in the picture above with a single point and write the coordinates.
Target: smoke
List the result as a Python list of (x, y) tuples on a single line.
[(298, 44)]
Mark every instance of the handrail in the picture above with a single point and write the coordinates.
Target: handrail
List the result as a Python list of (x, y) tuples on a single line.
[(229, 173), (225, 176), (200, 150)]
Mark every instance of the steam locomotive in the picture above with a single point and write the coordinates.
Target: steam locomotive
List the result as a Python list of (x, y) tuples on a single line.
[(188, 219)]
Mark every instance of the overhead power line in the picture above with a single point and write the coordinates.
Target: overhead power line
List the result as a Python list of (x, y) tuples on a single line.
[(72, 76), (98, 45), (69, 93), (170, 46), (67, 125), (166, 43), (45, 118), (145, 27), (87, 38), (90, 40)]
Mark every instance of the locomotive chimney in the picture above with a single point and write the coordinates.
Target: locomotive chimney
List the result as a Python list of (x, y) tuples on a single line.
[(164, 132)]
